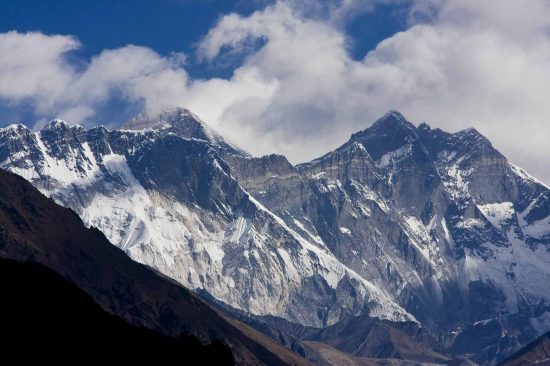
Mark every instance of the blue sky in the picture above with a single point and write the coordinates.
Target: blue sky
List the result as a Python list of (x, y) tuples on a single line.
[(168, 26), (165, 25), (296, 77)]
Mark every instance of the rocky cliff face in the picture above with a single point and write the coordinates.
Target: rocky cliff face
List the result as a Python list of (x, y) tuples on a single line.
[(442, 221), (401, 222), (168, 198)]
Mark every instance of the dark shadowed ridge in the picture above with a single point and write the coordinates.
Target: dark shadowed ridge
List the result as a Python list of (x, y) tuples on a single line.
[(536, 353), (43, 312), (34, 229)]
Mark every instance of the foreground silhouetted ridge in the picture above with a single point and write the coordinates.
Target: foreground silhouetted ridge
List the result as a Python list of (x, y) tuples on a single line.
[(43, 312)]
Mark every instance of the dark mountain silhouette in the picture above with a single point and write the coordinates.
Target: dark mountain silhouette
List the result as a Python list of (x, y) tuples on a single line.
[(43, 312)]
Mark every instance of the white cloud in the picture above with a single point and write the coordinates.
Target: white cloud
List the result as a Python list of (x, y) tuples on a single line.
[(461, 63), (483, 64), (138, 73), (34, 71), (299, 75), (32, 66)]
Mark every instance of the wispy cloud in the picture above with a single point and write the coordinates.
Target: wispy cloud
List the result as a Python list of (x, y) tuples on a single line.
[(35, 71)]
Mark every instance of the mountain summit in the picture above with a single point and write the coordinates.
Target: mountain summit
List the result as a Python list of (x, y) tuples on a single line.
[(183, 123)]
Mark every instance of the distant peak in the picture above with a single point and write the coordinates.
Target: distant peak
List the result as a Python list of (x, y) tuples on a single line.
[(472, 134), (175, 109), (469, 131), (391, 122), (424, 126), (56, 124), (176, 112), (393, 113), (14, 127), (389, 132), (180, 122), (392, 119), (166, 118)]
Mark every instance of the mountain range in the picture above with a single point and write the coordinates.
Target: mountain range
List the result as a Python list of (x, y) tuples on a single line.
[(414, 232)]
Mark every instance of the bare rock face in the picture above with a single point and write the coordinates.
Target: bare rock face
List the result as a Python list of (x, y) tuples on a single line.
[(166, 195), (442, 221), (401, 222)]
